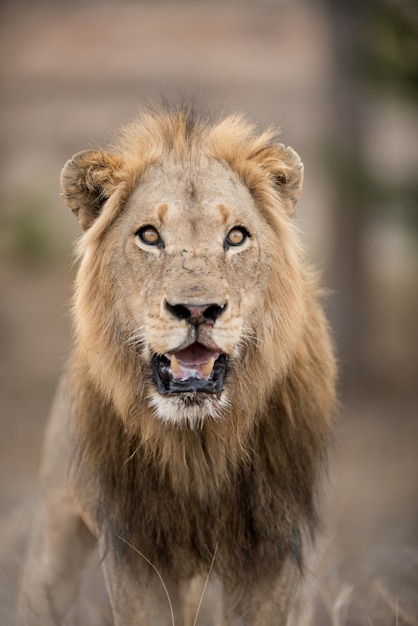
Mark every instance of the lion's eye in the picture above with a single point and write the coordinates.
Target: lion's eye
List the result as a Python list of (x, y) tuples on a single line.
[(149, 235), (236, 236)]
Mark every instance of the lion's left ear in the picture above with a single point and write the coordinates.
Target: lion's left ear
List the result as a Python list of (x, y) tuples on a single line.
[(87, 181), (286, 170)]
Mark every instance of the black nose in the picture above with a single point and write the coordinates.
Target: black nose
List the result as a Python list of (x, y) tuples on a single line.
[(196, 313)]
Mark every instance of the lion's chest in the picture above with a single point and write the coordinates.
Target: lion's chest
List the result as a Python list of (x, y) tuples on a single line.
[(180, 531)]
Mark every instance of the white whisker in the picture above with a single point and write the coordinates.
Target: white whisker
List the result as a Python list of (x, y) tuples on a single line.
[(250, 335), (137, 338)]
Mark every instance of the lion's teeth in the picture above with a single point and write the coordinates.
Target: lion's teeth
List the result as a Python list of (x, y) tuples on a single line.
[(208, 367), (175, 365)]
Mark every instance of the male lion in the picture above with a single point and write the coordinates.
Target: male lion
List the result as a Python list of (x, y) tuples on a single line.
[(190, 429)]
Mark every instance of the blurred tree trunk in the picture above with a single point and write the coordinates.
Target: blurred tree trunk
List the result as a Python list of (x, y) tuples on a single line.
[(347, 274)]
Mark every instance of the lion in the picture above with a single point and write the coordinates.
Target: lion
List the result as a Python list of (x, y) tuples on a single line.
[(189, 432)]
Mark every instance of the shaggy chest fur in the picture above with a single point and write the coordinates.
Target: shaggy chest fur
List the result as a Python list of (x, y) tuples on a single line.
[(253, 512), (180, 532)]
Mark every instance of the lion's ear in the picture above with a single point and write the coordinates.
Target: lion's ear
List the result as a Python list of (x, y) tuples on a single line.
[(87, 181), (286, 169)]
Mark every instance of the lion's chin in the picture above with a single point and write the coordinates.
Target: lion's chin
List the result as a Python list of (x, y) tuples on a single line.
[(189, 410)]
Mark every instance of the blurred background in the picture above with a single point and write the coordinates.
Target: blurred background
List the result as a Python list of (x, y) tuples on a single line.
[(341, 80)]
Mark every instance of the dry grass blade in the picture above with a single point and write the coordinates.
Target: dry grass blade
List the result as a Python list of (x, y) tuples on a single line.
[(206, 584), (335, 607), (393, 604), (367, 614), (341, 602)]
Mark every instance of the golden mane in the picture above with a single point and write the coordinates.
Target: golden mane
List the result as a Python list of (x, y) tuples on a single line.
[(268, 423)]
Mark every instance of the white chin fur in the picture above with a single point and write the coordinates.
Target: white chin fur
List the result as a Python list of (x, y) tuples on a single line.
[(183, 411)]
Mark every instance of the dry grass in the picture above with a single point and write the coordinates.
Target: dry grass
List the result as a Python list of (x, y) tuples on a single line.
[(326, 597)]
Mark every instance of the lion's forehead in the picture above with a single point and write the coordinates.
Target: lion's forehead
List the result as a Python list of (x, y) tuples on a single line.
[(198, 201)]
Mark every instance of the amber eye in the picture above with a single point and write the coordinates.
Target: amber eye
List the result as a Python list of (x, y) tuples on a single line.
[(236, 236), (149, 235)]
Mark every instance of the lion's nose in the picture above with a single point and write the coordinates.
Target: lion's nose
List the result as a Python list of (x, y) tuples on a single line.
[(196, 313)]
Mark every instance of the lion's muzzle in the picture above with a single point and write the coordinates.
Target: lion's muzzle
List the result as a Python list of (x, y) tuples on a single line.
[(198, 365)]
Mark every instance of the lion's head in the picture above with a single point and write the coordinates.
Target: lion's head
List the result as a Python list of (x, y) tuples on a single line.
[(191, 295)]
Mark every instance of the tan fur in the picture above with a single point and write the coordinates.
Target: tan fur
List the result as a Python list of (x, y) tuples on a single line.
[(180, 477)]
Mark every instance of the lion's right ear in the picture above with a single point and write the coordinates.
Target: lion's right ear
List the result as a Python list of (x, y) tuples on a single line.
[(87, 181)]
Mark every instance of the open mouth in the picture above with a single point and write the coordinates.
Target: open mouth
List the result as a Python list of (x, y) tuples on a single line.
[(196, 368)]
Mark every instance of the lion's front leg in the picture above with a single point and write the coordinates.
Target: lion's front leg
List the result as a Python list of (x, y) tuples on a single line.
[(262, 602), (139, 594), (59, 547)]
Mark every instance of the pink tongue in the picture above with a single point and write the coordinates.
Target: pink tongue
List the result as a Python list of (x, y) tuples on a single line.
[(195, 354)]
